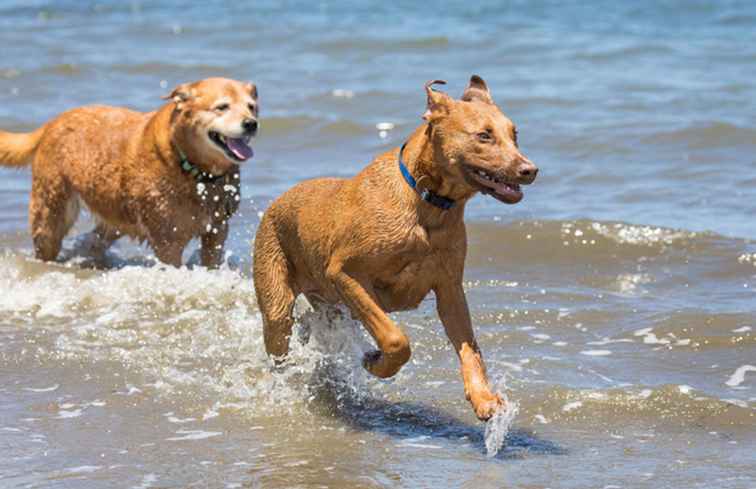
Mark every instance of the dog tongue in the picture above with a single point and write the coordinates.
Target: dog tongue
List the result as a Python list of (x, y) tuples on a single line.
[(239, 148)]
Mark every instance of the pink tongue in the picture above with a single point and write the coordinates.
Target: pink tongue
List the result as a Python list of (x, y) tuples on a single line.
[(239, 148)]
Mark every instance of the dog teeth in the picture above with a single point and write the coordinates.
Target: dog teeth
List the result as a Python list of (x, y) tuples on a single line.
[(484, 175)]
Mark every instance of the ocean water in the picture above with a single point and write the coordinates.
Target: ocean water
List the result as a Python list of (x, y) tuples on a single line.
[(615, 304)]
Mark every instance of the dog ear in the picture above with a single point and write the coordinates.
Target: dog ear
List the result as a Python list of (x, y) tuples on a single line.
[(252, 89), (477, 90), (182, 93), (438, 102)]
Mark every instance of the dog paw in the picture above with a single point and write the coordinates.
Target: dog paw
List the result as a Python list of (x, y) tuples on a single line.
[(485, 408), (375, 363), (370, 359)]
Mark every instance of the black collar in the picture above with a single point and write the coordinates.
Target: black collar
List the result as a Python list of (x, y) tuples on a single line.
[(429, 196), (191, 169)]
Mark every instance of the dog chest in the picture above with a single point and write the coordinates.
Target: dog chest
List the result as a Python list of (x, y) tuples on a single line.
[(408, 285)]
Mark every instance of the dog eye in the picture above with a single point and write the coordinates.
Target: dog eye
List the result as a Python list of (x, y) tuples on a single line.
[(251, 108), (222, 107), (485, 137)]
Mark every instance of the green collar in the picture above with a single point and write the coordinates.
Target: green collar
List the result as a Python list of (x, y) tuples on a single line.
[(199, 175)]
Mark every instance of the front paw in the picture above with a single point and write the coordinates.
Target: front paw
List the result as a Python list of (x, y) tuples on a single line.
[(486, 405), (381, 365), (371, 360)]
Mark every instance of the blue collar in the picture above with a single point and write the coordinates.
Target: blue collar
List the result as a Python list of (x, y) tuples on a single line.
[(427, 195)]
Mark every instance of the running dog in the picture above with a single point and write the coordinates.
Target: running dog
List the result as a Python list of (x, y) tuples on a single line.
[(162, 177), (381, 241)]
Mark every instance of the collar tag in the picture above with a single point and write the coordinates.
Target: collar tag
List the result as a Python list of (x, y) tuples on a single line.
[(195, 172), (420, 186)]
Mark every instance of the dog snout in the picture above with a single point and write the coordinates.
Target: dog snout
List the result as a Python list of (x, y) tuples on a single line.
[(527, 171), (250, 126)]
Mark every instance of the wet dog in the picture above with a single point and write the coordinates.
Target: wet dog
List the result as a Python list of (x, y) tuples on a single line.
[(162, 177), (381, 241)]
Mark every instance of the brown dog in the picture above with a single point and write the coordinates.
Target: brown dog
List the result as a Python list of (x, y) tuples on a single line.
[(163, 177), (376, 244)]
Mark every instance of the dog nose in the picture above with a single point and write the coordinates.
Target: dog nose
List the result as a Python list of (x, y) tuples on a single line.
[(527, 171), (249, 125)]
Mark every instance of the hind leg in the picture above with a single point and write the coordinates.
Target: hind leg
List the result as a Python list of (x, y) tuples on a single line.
[(326, 310), (104, 237), (274, 289), (100, 239), (53, 209)]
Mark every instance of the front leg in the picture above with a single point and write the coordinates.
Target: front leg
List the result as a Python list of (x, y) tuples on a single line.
[(392, 342), (168, 252), (455, 316), (212, 242)]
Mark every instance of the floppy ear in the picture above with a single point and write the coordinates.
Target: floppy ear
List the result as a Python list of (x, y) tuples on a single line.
[(477, 90), (181, 93), (252, 89), (438, 102)]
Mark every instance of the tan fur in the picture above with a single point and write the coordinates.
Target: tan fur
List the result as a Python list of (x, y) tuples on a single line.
[(18, 149), (371, 243), (125, 167)]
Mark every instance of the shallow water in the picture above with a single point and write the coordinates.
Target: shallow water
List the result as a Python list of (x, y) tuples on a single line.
[(615, 304)]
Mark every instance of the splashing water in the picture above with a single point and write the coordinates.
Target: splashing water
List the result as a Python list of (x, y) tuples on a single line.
[(498, 426)]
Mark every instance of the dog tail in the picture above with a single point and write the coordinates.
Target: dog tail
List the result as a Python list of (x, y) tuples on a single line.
[(17, 149)]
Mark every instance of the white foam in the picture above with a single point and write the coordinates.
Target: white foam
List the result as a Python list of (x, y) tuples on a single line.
[(738, 377), (130, 390), (63, 414), (541, 419), (737, 402), (571, 406), (744, 329), (42, 389), (194, 435), (596, 353), (185, 330), (175, 420), (651, 339), (342, 93), (644, 394), (418, 445), (83, 469), (628, 283), (210, 413), (609, 341), (639, 235)]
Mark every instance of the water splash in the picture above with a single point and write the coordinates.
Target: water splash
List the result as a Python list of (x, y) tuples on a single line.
[(498, 426)]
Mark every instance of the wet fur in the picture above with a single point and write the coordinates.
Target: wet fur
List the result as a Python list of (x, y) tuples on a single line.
[(123, 165), (369, 242)]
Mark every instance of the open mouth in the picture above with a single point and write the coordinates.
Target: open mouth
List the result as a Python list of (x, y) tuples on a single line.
[(490, 184), (237, 149)]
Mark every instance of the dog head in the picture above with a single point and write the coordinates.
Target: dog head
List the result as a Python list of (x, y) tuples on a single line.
[(214, 121), (475, 144)]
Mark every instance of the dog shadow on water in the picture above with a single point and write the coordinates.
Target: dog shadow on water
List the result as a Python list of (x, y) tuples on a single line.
[(406, 420)]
